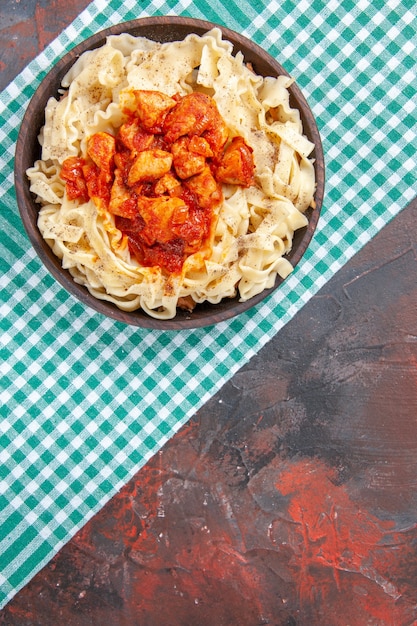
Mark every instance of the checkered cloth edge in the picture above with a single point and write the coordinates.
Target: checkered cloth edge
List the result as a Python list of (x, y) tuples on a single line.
[(86, 401)]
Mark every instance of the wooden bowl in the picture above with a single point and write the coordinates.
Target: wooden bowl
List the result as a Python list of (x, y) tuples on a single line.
[(161, 29)]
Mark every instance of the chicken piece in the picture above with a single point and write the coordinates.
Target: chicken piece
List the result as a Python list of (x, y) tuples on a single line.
[(101, 148), (205, 189), (199, 145), (186, 162), (159, 214), (167, 184), (152, 108), (179, 216), (98, 184), (72, 174), (122, 202), (123, 161), (217, 135), (237, 166), (194, 114), (149, 165), (134, 137), (193, 229)]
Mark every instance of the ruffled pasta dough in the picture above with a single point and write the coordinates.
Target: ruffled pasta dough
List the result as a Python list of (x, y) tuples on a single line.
[(256, 225)]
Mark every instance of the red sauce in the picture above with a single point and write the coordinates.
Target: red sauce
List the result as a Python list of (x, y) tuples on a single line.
[(164, 198)]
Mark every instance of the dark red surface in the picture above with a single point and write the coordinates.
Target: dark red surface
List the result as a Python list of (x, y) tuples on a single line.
[(290, 499), (27, 27)]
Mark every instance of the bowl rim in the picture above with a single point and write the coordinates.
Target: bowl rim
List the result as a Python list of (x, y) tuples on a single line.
[(216, 312)]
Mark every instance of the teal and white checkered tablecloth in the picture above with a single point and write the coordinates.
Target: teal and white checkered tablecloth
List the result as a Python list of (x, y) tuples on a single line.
[(86, 401)]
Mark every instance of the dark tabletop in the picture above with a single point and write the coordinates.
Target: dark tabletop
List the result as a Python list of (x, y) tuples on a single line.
[(291, 497)]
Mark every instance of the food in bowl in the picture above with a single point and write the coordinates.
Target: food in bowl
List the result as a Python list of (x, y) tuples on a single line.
[(171, 174)]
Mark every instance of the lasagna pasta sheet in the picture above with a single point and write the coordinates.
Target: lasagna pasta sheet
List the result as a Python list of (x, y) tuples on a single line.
[(256, 224)]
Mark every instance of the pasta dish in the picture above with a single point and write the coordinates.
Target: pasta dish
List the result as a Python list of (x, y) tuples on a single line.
[(171, 174)]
